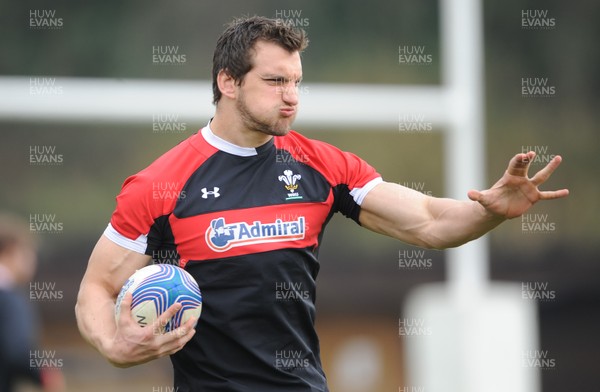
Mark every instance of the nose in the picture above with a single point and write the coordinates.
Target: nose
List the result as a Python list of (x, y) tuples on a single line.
[(289, 94)]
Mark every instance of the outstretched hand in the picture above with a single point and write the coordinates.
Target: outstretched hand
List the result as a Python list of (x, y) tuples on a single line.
[(515, 192)]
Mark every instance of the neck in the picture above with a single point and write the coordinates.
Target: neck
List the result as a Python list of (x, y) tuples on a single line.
[(231, 129)]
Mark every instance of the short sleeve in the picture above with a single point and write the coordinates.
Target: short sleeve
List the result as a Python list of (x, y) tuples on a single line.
[(350, 177), (356, 178), (138, 219)]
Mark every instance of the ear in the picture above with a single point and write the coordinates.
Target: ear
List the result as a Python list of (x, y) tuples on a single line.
[(227, 84)]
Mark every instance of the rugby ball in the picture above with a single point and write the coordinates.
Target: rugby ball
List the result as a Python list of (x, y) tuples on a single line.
[(156, 287)]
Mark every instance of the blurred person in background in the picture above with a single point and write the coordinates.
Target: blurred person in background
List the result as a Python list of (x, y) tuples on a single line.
[(19, 326)]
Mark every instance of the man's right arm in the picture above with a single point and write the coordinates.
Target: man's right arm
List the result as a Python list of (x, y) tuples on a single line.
[(126, 343)]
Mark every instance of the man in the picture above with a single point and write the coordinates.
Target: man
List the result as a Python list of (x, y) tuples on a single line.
[(18, 329), (251, 199)]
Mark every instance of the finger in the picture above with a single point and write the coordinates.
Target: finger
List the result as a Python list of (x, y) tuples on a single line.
[(176, 344), (186, 330), (543, 175), (190, 323), (174, 341), (519, 164), (549, 195), (162, 320)]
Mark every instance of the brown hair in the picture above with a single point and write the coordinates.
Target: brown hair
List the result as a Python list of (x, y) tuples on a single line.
[(233, 52)]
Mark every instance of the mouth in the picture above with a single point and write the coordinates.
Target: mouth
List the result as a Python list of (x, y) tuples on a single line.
[(287, 111)]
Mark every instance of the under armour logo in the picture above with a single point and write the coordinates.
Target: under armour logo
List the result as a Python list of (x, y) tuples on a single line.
[(214, 192)]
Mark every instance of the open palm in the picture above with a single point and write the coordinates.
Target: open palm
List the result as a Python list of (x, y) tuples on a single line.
[(515, 192)]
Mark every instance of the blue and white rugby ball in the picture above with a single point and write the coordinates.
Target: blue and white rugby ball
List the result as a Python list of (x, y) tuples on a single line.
[(155, 288)]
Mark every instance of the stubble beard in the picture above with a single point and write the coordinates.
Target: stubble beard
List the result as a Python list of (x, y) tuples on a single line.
[(277, 127)]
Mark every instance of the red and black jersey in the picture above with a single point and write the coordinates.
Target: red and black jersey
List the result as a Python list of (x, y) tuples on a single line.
[(247, 224)]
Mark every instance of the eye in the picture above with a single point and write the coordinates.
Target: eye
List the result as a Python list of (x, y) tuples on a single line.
[(275, 81)]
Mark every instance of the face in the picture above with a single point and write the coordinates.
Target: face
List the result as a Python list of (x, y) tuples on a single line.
[(21, 261), (267, 99)]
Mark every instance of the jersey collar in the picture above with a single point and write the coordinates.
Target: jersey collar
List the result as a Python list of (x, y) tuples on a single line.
[(230, 148)]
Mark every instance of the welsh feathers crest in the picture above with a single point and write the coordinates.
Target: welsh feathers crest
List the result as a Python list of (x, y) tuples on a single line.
[(291, 184), (289, 178)]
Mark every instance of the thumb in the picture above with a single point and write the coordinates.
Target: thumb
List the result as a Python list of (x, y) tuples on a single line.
[(475, 195)]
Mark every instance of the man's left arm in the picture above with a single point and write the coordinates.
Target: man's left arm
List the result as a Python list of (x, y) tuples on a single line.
[(439, 223)]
